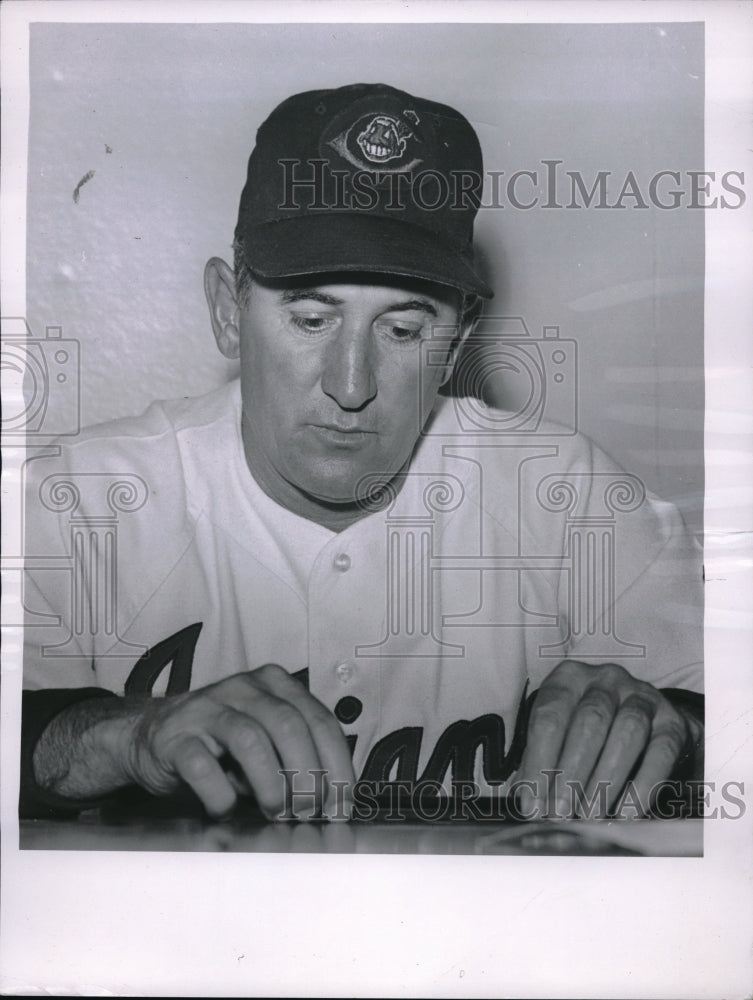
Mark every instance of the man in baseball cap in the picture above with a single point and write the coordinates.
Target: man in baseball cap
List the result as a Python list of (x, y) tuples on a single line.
[(327, 573)]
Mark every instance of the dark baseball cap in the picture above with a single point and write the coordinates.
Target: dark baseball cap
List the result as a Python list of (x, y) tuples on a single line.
[(363, 178)]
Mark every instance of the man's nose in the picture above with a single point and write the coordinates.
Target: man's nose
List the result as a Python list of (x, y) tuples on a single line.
[(348, 375)]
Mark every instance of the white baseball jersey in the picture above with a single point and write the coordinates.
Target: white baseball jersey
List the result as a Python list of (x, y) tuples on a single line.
[(157, 564)]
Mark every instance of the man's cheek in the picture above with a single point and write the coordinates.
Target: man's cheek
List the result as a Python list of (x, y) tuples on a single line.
[(427, 389)]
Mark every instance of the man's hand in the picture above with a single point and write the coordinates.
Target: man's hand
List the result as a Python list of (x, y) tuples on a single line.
[(264, 720), (259, 722), (596, 724)]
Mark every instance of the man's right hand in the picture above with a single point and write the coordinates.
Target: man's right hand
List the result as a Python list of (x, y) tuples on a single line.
[(264, 720)]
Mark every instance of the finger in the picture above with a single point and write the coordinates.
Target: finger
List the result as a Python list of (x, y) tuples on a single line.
[(628, 738), (667, 744), (252, 694), (200, 770), (547, 727), (335, 757), (585, 740), (251, 747), (289, 733), (237, 779), (327, 735)]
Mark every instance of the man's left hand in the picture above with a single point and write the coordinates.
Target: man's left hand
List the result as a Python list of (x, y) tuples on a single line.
[(599, 724)]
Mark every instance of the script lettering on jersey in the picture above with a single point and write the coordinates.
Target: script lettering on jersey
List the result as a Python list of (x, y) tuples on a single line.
[(176, 652), (395, 757)]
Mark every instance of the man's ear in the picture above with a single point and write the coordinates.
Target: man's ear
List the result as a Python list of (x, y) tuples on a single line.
[(219, 287), (466, 320)]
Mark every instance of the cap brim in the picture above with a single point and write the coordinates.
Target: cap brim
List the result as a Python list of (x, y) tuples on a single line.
[(338, 242)]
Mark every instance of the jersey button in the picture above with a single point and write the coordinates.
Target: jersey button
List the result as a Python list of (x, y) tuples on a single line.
[(348, 709), (342, 562), (345, 671)]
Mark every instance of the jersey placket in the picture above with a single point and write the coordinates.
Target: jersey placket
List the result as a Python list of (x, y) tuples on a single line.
[(345, 611)]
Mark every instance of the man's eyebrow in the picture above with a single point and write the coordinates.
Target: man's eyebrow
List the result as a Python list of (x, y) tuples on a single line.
[(422, 305), (300, 294), (312, 294)]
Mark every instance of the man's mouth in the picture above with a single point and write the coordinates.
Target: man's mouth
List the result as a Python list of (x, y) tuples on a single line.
[(343, 434), (346, 428)]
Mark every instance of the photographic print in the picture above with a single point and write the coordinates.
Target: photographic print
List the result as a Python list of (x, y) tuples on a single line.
[(354, 423)]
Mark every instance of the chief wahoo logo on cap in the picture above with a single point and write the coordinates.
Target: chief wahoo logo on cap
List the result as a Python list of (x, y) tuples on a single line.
[(378, 139)]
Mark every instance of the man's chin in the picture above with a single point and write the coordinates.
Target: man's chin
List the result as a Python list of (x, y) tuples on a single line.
[(332, 498), (367, 492)]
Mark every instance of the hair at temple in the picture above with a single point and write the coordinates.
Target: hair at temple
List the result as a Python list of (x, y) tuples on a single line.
[(243, 275)]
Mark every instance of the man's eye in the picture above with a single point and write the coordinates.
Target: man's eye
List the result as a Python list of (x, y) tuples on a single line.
[(403, 333), (312, 324)]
